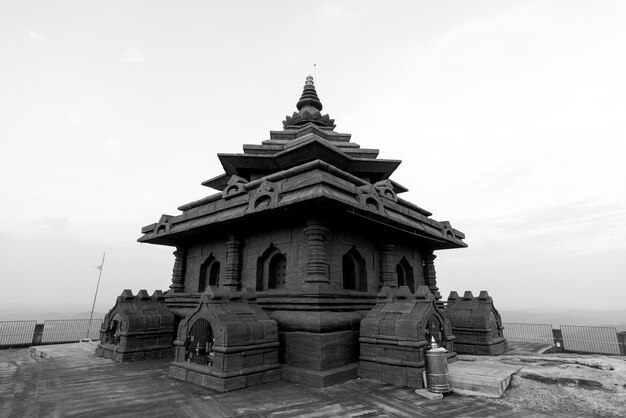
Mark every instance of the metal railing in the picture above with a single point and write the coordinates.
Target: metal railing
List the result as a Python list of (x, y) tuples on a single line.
[(569, 338), (528, 333), (584, 339), (23, 333), (69, 330), (16, 332)]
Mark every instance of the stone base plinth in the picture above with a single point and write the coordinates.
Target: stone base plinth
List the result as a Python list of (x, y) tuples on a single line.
[(394, 374), (320, 378), (318, 351), (222, 382), (480, 346), (114, 352)]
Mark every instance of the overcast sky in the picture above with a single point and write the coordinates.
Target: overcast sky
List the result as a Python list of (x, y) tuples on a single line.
[(508, 116)]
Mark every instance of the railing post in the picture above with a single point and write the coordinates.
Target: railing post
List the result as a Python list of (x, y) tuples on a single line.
[(37, 334), (621, 339), (558, 340)]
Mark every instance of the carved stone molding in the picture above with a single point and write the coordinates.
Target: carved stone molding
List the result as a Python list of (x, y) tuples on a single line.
[(178, 273), (430, 275), (387, 271), (317, 262), (232, 274)]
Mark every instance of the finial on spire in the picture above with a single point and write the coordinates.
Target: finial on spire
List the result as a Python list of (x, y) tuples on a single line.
[(309, 96)]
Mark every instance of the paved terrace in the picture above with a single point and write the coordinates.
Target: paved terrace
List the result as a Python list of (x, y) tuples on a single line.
[(72, 382)]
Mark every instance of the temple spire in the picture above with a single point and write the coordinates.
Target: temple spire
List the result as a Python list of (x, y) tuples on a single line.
[(309, 96), (309, 107)]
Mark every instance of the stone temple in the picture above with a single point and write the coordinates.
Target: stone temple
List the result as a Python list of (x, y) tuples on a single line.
[(307, 231)]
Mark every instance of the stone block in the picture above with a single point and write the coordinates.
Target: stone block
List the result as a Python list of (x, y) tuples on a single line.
[(232, 362), (212, 382), (177, 373), (195, 377), (320, 351), (425, 393), (108, 354), (370, 370), (395, 375), (478, 379), (270, 357), (319, 378), (255, 379), (415, 377), (273, 375), (233, 383), (401, 353), (149, 342), (251, 360), (371, 350), (134, 356), (464, 348), (406, 329)]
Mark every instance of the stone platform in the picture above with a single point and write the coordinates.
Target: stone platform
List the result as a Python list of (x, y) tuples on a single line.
[(72, 382), (480, 379), (515, 347)]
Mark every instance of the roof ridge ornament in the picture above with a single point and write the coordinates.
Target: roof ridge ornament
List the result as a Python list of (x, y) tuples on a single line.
[(309, 107)]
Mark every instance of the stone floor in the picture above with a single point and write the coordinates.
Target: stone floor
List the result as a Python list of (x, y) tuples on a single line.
[(71, 382), (515, 347)]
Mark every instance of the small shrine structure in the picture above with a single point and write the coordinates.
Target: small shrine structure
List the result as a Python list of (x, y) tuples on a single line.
[(315, 225), (227, 342), (476, 324), (138, 327), (396, 333)]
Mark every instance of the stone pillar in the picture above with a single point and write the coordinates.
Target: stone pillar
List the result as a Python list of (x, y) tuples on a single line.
[(317, 261), (178, 273), (430, 276), (388, 272), (232, 274)]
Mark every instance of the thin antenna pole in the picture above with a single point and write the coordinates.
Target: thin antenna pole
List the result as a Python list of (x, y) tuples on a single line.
[(315, 71), (96, 295)]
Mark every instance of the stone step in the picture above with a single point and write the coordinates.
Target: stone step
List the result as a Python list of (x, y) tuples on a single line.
[(480, 378)]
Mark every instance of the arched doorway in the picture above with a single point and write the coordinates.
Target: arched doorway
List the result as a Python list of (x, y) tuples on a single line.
[(199, 344)]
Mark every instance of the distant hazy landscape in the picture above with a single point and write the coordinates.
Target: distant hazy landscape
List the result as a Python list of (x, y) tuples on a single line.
[(613, 318), (42, 314)]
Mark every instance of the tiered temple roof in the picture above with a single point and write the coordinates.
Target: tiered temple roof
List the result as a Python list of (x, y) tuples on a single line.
[(307, 135), (304, 164)]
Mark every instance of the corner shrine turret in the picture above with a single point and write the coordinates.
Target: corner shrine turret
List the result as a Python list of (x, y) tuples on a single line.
[(313, 223)]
